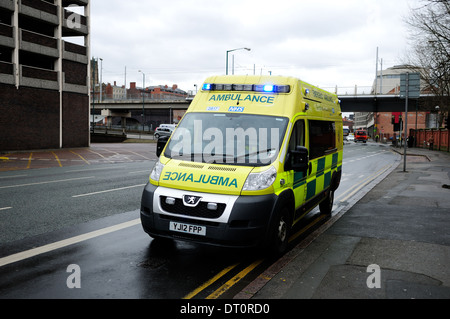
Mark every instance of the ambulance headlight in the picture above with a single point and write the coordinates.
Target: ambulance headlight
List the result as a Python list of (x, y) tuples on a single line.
[(260, 181), (156, 171)]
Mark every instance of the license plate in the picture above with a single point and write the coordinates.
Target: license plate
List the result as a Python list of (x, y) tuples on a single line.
[(188, 229)]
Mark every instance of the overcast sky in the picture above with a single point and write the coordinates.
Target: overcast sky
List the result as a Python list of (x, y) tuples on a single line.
[(323, 42)]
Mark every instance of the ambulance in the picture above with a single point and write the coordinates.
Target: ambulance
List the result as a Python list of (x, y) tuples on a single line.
[(250, 158)]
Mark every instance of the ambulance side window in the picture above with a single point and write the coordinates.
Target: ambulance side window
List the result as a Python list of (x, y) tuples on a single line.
[(322, 138), (298, 135)]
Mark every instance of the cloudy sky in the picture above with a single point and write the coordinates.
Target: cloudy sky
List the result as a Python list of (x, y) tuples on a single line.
[(324, 42)]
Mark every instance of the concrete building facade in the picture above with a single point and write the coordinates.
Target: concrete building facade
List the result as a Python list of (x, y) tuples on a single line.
[(44, 80)]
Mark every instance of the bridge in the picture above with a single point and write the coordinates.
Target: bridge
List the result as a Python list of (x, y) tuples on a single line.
[(358, 102), (383, 103)]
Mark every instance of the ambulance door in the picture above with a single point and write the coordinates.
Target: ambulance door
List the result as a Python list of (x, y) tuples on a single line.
[(322, 145), (299, 178)]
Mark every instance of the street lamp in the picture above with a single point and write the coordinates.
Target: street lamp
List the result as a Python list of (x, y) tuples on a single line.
[(437, 116), (143, 100), (248, 49), (101, 79)]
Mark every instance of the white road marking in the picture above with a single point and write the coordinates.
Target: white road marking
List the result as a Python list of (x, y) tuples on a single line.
[(93, 169), (12, 176), (47, 182), (64, 243), (109, 190)]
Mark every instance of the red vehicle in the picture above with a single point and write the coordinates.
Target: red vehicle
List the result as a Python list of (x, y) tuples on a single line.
[(361, 135)]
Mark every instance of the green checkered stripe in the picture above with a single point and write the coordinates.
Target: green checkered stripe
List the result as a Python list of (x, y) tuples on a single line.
[(323, 168)]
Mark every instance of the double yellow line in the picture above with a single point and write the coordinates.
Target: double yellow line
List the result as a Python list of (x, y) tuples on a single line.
[(222, 289), (230, 283)]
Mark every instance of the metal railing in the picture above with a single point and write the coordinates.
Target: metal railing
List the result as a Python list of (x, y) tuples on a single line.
[(363, 90)]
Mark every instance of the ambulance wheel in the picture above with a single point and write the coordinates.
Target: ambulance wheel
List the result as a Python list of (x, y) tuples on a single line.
[(279, 232), (326, 206)]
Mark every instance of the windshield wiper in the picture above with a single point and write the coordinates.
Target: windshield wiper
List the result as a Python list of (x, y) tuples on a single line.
[(256, 153)]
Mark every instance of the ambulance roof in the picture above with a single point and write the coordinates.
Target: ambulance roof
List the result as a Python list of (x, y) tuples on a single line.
[(269, 95)]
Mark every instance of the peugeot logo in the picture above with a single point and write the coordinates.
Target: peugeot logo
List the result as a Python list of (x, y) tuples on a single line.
[(191, 201)]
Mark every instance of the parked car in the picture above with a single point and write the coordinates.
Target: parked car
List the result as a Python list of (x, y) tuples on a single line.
[(361, 136), (172, 126), (351, 137), (163, 131)]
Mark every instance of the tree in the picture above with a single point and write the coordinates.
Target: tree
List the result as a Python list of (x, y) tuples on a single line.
[(429, 26)]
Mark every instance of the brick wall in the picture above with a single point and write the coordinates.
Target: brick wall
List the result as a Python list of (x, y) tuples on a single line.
[(386, 129), (29, 118), (75, 73), (75, 120)]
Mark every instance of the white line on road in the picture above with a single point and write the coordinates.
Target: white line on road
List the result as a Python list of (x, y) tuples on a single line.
[(361, 184), (66, 242), (47, 182), (5, 208), (109, 190), (13, 176), (139, 172), (94, 169)]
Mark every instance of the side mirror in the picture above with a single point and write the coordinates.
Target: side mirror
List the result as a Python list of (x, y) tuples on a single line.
[(162, 141), (298, 159)]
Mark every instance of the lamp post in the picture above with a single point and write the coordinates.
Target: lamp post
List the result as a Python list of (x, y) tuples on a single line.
[(101, 80), (95, 64), (143, 100), (437, 116), (248, 49)]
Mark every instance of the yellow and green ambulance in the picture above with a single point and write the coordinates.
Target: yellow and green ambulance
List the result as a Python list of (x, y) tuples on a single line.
[(250, 158)]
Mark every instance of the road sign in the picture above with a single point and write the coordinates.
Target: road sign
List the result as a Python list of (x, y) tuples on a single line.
[(409, 89), (410, 83)]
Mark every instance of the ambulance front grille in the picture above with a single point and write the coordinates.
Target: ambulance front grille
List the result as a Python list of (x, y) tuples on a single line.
[(201, 210)]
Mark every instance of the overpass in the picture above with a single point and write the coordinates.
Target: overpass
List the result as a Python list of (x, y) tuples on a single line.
[(156, 110), (383, 103), (136, 104), (349, 103)]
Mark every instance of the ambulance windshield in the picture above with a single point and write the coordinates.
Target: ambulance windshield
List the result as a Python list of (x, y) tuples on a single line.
[(228, 138)]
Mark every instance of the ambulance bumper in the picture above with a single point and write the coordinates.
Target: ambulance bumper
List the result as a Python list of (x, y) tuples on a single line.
[(244, 222)]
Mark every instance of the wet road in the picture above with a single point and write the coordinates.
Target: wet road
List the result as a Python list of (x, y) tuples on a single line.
[(88, 215)]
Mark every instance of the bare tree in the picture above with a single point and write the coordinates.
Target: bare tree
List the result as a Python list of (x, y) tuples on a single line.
[(429, 26)]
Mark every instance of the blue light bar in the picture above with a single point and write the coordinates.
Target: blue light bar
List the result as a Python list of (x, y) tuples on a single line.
[(264, 88), (269, 88), (207, 87)]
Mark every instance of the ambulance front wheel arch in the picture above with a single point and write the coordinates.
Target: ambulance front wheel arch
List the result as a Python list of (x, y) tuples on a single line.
[(281, 224)]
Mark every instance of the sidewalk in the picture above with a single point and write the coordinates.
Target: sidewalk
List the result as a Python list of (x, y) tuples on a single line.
[(401, 226)]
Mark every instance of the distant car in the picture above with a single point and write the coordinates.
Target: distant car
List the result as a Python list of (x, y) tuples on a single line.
[(172, 126), (163, 131), (351, 137), (361, 136)]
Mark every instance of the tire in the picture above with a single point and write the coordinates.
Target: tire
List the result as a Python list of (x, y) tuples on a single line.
[(280, 230), (326, 206)]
